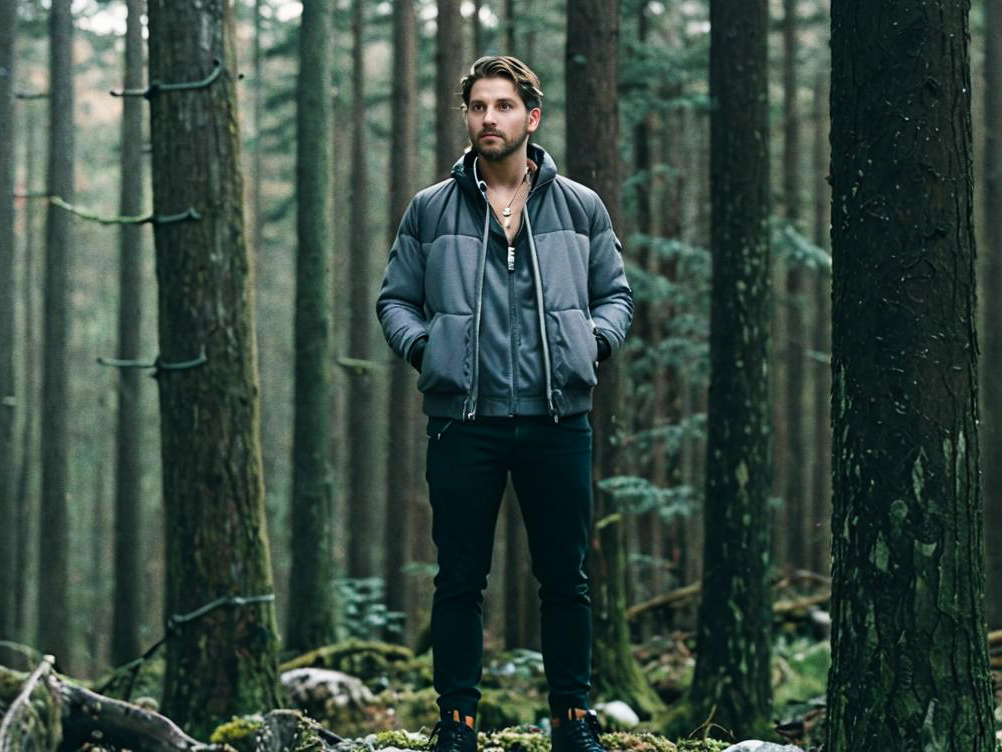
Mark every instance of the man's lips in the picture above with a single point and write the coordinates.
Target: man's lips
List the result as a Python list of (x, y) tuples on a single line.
[(489, 135)]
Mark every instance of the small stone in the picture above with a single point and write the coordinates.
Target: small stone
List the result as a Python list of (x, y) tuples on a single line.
[(618, 712), (755, 745)]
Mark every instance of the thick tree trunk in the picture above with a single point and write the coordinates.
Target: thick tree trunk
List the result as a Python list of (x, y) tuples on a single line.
[(732, 680), (221, 662), (8, 399), (593, 159), (53, 574), (402, 482), (448, 70), (311, 605), (128, 608), (991, 399), (909, 652)]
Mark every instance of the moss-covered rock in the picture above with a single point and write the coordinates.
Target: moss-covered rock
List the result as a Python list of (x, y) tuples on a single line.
[(239, 733), (637, 742), (503, 708), (278, 731), (378, 664)]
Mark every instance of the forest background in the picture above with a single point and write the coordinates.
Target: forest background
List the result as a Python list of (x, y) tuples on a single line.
[(382, 550)]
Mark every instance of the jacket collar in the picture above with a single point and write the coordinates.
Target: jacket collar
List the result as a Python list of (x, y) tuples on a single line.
[(463, 171)]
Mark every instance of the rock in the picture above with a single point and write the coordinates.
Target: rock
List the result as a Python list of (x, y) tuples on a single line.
[(754, 745), (618, 713), (307, 686)]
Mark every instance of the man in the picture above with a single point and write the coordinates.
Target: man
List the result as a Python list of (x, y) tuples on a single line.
[(504, 288)]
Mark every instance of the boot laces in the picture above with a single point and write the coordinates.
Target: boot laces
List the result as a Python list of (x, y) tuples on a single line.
[(451, 736), (582, 733)]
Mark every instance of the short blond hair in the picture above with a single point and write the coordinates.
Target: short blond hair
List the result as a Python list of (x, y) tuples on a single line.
[(504, 66)]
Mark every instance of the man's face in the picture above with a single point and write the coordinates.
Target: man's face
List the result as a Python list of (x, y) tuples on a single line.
[(497, 119)]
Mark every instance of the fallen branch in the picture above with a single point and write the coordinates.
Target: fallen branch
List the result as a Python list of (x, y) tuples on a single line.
[(119, 723), (779, 608), (22, 699)]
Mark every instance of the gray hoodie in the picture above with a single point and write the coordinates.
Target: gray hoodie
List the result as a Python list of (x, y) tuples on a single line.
[(434, 287)]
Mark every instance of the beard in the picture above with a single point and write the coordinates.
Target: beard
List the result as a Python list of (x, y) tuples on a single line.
[(497, 151)]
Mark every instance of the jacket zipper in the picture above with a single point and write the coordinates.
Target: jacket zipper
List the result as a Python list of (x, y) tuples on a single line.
[(542, 314), (470, 407)]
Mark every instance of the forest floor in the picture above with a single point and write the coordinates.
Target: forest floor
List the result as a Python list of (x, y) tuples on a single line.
[(378, 696)]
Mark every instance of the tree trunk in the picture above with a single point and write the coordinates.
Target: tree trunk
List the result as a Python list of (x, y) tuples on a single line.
[(992, 336), (8, 399), (794, 345), (222, 662), (593, 159), (510, 38), (311, 605), (478, 30), (128, 608), (909, 652), (448, 70), (821, 478), (732, 680), (402, 482), (25, 498), (362, 500), (53, 596)]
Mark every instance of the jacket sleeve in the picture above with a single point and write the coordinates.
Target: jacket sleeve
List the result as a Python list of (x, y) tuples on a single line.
[(400, 305), (609, 295)]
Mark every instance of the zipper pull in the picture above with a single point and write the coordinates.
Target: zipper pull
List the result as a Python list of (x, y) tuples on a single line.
[(511, 258)]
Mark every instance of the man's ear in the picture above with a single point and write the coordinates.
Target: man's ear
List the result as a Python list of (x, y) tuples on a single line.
[(535, 115)]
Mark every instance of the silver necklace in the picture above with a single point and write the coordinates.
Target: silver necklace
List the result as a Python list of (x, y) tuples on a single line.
[(506, 212)]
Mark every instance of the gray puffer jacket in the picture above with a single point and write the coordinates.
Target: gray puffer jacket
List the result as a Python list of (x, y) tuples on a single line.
[(434, 285)]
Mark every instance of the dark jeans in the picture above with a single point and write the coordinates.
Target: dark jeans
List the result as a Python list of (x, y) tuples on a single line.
[(550, 466)]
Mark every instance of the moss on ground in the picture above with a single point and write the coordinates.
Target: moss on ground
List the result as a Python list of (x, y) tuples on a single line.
[(239, 733)]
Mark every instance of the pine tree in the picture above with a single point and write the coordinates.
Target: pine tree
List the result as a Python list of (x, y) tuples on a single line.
[(222, 648)]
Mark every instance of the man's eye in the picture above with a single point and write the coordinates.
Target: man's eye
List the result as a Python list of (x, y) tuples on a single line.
[(505, 106)]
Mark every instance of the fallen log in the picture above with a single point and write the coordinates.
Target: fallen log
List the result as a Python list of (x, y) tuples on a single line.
[(85, 716), (90, 716)]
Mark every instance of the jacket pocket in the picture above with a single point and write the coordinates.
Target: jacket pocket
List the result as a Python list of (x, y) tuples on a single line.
[(575, 349), (447, 362)]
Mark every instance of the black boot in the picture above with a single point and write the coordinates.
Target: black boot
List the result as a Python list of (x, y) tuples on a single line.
[(453, 735), (577, 732)]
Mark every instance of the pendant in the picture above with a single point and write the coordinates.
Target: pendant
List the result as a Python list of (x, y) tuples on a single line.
[(506, 211)]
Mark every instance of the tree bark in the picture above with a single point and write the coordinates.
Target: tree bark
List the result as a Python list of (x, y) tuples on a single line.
[(448, 70), (731, 683), (593, 158), (127, 608), (821, 476), (27, 504), (363, 496), (909, 652), (223, 662), (401, 485), (794, 344), (53, 574), (992, 336), (311, 604), (8, 399)]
